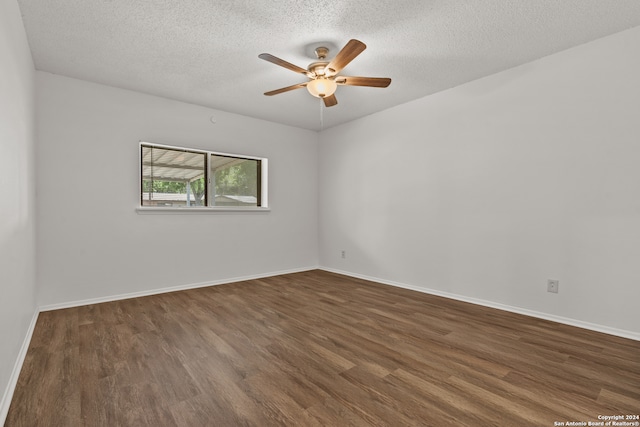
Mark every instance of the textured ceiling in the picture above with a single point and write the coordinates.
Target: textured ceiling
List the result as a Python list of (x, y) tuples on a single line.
[(206, 52)]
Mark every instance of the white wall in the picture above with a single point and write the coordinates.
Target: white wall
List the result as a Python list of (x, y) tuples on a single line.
[(92, 243), (488, 189), (17, 194)]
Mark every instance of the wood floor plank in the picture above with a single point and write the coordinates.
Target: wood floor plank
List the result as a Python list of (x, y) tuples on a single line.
[(465, 409), (315, 349), (332, 413)]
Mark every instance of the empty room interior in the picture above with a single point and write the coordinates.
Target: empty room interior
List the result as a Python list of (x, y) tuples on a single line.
[(319, 213)]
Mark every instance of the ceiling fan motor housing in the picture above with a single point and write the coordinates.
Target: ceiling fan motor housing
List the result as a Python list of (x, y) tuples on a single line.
[(317, 69)]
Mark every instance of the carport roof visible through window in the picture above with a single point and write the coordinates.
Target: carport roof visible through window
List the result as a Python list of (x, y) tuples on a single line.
[(172, 165)]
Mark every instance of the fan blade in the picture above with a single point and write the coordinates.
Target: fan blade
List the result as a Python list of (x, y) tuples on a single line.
[(352, 49), (282, 63), (285, 89), (363, 81), (330, 101)]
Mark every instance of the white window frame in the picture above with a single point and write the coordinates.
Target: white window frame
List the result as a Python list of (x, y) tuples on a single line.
[(264, 187)]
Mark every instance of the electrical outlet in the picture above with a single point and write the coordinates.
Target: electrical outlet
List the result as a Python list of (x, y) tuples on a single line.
[(553, 285), (343, 254)]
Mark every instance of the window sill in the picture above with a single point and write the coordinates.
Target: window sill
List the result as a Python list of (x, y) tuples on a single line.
[(200, 210)]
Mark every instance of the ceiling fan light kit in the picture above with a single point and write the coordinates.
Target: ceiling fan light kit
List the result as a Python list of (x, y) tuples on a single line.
[(323, 75), (322, 87)]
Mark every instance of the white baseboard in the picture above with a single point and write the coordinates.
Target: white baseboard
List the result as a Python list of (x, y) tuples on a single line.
[(559, 319), (170, 289), (5, 403)]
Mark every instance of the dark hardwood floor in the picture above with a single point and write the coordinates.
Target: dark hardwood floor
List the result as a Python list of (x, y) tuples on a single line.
[(316, 349)]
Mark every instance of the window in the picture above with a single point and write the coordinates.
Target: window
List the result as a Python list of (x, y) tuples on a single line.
[(175, 177)]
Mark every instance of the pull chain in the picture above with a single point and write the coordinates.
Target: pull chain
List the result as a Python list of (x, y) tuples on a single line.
[(321, 114)]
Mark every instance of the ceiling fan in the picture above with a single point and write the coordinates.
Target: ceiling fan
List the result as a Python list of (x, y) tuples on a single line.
[(323, 75)]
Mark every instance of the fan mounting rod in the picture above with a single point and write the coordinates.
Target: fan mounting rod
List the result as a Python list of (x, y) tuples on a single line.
[(317, 69), (322, 52)]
